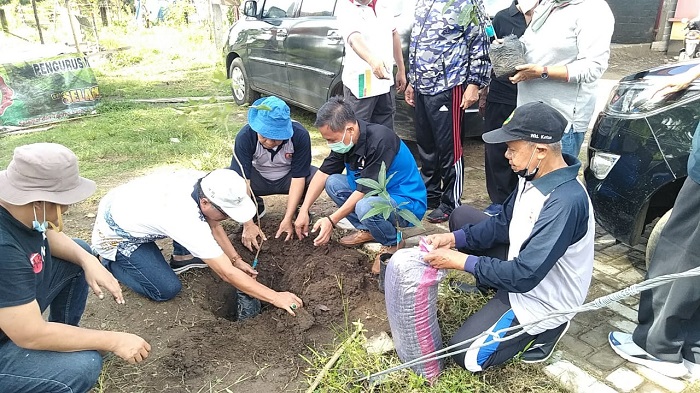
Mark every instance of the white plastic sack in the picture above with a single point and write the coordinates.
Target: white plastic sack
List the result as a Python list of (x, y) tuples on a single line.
[(411, 288)]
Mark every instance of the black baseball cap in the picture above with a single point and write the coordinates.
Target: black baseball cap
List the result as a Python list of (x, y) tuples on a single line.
[(534, 122)]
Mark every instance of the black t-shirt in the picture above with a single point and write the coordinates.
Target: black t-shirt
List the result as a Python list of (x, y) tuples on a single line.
[(376, 144), (507, 21), (22, 267)]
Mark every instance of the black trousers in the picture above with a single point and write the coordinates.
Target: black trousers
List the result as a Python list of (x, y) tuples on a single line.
[(500, 178), (378, 109), (438, 120), (669, 315)]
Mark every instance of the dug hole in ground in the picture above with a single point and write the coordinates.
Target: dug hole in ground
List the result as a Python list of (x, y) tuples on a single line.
[(197, 346)]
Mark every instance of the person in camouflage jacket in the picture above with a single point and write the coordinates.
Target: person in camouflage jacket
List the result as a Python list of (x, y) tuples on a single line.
[(448, 65)]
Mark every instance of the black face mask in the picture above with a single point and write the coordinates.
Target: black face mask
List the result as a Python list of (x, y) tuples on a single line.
[(524, 172)]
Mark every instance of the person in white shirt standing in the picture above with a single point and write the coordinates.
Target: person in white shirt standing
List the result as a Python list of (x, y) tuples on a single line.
[(373, 45)]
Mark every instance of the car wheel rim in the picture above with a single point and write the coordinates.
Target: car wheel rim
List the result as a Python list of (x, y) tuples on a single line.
[(237, 83)]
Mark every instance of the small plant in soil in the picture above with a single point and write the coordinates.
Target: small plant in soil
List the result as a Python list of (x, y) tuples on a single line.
[(386, 205)]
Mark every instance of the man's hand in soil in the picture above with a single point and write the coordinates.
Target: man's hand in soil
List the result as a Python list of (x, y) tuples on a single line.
[(445, 258), (245, 268), (325, 230), (249, 238), (286, 226), (131, 347), (288, 302), (441, 240), (301, 225)]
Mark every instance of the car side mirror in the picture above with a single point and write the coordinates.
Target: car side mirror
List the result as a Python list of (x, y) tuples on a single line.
[(250, 8)]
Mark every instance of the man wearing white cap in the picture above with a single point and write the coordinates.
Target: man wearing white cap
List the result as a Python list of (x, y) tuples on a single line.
[(42, 268), (188, 207)]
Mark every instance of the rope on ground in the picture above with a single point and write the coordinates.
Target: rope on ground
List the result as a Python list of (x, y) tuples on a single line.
[(496, 336)]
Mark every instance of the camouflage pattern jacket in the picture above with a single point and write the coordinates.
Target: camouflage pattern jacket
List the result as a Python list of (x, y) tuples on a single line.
[(443, 54)]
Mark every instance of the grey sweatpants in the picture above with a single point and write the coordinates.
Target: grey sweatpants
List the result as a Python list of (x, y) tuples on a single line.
[(669, 315)]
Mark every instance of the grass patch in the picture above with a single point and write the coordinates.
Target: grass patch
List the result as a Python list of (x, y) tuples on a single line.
[(159, 62), (453, 309)]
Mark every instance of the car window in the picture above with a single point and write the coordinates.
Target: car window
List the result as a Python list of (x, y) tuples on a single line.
[(279, 9), (317, 8)]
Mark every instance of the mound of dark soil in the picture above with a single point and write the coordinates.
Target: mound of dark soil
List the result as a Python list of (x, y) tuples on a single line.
[(195, 346)]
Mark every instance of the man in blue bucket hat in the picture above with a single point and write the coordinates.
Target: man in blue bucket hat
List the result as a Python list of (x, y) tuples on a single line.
[(275, 154)]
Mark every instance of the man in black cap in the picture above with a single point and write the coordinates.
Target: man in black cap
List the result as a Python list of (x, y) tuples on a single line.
[(537, 253)]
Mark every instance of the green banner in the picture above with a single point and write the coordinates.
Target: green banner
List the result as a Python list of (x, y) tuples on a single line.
[(46, 90)]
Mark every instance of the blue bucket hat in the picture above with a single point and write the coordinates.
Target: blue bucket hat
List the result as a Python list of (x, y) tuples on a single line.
[(269, 117)]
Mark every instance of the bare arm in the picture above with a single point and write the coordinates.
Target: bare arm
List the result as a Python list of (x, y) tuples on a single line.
[(318, 183), (222, 266), (296, 191), (379, 69), (26, 328), (225, 243), (96, 275), (398, 58), (325, 227)]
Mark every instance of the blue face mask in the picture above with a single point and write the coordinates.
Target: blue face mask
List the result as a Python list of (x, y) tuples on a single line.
[(39, 227), (340, 147)]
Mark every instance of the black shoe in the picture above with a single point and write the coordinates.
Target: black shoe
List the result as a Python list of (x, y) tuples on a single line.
[(441, 214), (434, 203), (183, 266), (463, 287), (543, 345)]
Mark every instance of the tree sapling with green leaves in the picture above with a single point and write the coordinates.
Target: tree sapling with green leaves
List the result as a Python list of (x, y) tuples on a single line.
[(386, 205)]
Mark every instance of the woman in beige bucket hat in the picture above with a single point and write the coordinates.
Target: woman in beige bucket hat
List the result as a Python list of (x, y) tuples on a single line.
[(42, 268)]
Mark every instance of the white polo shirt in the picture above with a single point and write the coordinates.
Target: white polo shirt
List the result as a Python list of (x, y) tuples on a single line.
[(376, 25)]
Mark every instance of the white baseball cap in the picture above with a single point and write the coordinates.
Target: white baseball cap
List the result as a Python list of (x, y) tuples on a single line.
[(226, 189), (527, 5)]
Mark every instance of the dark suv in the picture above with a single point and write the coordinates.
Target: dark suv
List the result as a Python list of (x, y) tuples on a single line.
[(638, 153), (293, 49)]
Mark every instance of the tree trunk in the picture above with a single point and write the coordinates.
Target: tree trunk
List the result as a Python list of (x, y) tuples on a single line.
[(36, 18)]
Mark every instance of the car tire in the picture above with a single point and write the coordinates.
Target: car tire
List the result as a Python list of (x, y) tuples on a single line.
[(240, 84), (654, 236)]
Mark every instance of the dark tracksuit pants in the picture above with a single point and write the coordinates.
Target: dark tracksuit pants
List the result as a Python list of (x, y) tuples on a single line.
[(669, 315), (378, 109), (495, 315), (500, 178), (438, 120)]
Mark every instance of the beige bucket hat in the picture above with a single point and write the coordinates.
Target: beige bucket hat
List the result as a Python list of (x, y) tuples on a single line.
[(44, 172)]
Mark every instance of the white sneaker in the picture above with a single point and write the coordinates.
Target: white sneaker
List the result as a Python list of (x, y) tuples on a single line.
[(623, 345), (693, 368)]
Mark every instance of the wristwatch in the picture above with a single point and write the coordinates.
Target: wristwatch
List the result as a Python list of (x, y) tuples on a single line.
[(545, 74)]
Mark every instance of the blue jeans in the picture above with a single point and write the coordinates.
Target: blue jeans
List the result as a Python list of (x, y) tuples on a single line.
[(571, 142), (383, 231), (147, 272), (26, 370)]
